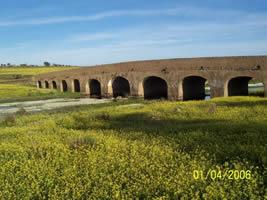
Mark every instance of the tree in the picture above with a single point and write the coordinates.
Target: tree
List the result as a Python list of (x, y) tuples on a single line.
[(46, 64)]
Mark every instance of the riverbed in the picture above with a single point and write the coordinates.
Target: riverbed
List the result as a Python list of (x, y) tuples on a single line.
[(42, 105)]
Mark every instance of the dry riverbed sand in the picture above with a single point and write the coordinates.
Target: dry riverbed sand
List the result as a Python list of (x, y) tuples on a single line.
[(41, 105)]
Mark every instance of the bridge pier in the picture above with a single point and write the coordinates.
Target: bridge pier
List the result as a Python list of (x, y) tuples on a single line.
[(173, 91), (135, 90), (69, 85), (265, 88), (180, 94), (84, 86), (50, 84), (106, 89), (39, 84), (216, 88), (61, 89)]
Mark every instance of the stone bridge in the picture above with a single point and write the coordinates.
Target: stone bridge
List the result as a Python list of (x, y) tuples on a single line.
[(174, 79)]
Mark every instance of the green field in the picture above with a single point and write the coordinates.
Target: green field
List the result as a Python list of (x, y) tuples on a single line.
[(23, 75), (16, 84), (30, 70), (136, 149), (18, 92)]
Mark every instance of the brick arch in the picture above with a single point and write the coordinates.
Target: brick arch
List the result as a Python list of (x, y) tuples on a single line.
[(205, 76), (76, 85), (94, 88), (155, 87), (192, 86), (64, 86), (239, 80), (39, 84), (110, 82), (140, 82), (54, 84), (121, 87), (46, 84)]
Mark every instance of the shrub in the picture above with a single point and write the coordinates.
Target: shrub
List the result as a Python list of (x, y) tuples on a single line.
[(81, 142), (10, 120), (103, 117), (17, 76), (212, 108)]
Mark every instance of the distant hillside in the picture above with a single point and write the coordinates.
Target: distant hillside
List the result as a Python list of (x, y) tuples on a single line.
[(23, 75)]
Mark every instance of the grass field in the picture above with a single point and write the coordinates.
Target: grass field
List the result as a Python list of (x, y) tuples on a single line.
[(16, 84), (30, 70), (23, 75), (136, 149), (18, 92)]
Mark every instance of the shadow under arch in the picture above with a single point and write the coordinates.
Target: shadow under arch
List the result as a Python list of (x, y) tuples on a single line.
[(64, 86), (245, 86), (94, 88), (46, 84), (54, 84), (155, 87), (39, 83), (76, 85), (194, 88), (121, 87)]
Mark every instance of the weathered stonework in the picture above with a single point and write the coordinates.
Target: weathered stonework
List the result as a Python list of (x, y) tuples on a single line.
[(218, 71)]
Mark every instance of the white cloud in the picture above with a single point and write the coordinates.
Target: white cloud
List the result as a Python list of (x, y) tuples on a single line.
[(172, 33), (91, 37), (95, 17), (138, 51), (144, 42), (181, 11)]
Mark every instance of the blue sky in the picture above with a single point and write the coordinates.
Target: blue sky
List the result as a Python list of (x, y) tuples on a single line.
[(83, 32)]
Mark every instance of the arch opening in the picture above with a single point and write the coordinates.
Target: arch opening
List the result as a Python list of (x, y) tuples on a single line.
[(77, 87), (245, 86), (120, 87), (54, 84), (39, 84), (95, 88), (155, 88), (195, 88), (46, 84), (64, 86)]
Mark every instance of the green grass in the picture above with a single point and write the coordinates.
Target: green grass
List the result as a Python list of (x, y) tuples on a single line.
[(12, 93), (135, 149), (23, 75), (30, 70), (16, 84)]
